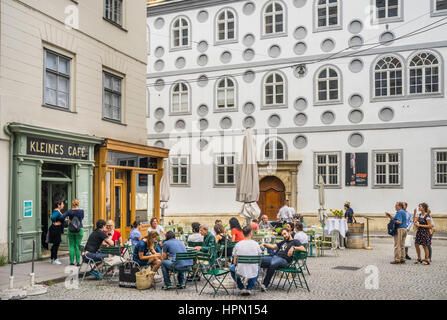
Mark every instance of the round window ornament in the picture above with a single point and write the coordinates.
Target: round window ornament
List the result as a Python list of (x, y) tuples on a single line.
[(386, 114), (274, 51), (159, 126), (202, 81), (248, 8), (203, 124), (159, 23), (355, 116), (300, 119), (159, 65), (225, 57), (356, 65), (249, 76), (249, 122), (299, 3), (202, 16), (386, 38), (300, 48), (202, 144), (274, 120), (300, 33), (202, 110), (159, 144), (159, 84), (356, 100), (180, 63), (300, 104), (248, 108), (249, 40), (202, 46), (300, 141), (356, 140), (327, 45), (180, 124), (355, 27), (159, 52), (159, 113), (248, 54), (327, 117), (225, 123), (202, 60)]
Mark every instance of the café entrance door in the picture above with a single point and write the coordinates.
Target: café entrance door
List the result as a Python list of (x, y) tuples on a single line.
[(272, 196)]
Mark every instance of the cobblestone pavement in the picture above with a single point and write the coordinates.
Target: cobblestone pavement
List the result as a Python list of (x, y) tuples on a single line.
[(407, 281)]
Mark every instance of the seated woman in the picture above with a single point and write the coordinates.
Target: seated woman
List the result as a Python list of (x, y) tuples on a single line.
[(236, 230), (144, 253), (221, 237), (135, 233), (114, 235), (290, 226)]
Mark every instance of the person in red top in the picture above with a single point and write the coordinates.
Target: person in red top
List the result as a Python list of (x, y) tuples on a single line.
[(236, 230), (113, 234), (254, 225)]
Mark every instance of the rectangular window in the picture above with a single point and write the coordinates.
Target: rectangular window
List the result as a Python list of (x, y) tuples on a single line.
[(57, 80), (112, 97), (441, 5), (387, 9), (327, 12), (387, 168), (225, 169), (180, 170), (440, 167), (327, 165), (113, 11)]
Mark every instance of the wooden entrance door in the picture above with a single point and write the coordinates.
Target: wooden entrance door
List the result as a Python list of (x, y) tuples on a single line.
[(272, 196)]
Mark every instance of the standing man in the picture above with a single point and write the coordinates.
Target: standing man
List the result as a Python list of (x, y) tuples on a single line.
[(285, 214), (400, 219), (409, 225)]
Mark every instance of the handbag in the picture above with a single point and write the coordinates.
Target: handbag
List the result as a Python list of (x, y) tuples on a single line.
[(127, 271), (409, 241), (74, 225), (392, 230), (144, 279)]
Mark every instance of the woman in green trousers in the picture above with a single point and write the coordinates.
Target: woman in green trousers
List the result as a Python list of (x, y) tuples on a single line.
[(75, 238)]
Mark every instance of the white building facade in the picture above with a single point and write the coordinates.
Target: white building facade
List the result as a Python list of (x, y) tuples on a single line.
[(353, 91)]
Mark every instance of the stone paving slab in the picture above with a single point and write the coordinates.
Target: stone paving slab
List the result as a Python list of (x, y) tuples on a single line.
[(397, 282)]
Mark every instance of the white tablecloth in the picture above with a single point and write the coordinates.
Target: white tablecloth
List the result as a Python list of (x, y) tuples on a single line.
[(341, 225)]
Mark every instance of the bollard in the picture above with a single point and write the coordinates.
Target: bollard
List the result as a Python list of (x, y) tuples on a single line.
[(34, 289), (11, 293)]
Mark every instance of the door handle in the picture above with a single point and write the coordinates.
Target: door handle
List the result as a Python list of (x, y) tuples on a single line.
[(271, 207)]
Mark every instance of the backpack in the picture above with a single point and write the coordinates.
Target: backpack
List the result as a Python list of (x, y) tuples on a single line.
[(392, 230), (75, 225)]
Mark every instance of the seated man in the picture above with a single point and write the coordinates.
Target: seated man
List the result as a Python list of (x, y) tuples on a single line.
[(96, 239), (172, 246), (246, 247), (300, 235), (209, 241), (196, 236), (264, 223), (282, 257)]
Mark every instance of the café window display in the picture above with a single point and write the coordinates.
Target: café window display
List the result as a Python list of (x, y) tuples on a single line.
[(128, 183)]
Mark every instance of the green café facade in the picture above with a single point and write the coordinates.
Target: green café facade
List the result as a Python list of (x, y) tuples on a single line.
[(46, 165)]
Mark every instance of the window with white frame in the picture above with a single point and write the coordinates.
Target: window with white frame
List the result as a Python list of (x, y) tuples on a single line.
[(274, 18), (179, 170), (327, 165), (388, 77), (387, 168), (180, 98), (440, 167), (328, 13), (274, 89), (328, 85), (440, 5), (225, 169), (424, 74), (57, 80), (180, 33), (274, 149), (387, 9), (226, 25), (113, 11), (112, 96), (225, 94)]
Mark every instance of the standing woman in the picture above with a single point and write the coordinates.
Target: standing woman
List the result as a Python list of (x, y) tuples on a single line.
[(75, 238), (349, 213), (423, 225), (114, 235), (236, 230), (56, 230)]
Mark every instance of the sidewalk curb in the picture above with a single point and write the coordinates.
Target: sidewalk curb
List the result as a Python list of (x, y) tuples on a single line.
[(388, 236)]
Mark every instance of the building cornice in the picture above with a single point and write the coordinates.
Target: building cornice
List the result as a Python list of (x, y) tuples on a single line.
[(168, 7)]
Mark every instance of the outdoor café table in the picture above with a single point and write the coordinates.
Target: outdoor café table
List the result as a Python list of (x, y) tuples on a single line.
[(338, 227)]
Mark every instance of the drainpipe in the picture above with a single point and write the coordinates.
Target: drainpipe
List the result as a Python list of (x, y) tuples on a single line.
[(11, 164)]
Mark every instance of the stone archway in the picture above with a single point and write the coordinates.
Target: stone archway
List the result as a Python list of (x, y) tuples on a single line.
[(287, 172), (271, 197)]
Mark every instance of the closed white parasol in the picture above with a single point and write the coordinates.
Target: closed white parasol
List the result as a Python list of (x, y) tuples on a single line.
[(247, 187), (322, 216), (164, 190)]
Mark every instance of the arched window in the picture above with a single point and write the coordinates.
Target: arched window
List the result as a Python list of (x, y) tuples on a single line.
[(180, 33), (388, 77), (327, 13), (274, 150), (274, 18), (226, 25), (328, 85), (424, 74), (225, 94), (180, 98), (274, 89)]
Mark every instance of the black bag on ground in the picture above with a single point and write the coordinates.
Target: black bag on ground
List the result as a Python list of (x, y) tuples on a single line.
[(392, 230), (127, 278), (75, 225)]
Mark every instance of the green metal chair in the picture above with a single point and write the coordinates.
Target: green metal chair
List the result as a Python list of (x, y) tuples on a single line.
[(241, 259), (114, 251), (91, 264), (210, 271), (295, 268), (181, 256), (194, 244)]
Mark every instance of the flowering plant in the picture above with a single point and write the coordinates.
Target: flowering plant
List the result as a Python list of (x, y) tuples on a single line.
[(337, 213)]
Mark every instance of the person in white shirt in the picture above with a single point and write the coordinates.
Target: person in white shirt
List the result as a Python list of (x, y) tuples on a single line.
[(246, 247), (196, 236), (264, 223), (409, 225), (300, 234), (285, 214), (156, 227), (218, 221)]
